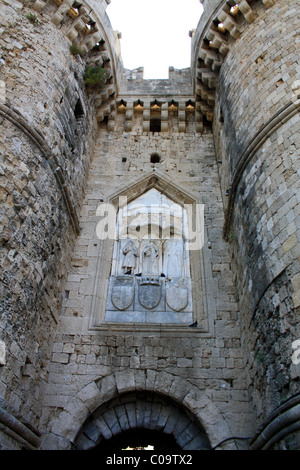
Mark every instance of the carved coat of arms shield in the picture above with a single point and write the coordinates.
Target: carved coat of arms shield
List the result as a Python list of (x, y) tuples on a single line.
[(149, 292), (177, 296), (122, 293)]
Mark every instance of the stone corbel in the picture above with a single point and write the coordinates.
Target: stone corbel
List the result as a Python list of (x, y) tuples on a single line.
[(229, 24), (210, 58), (268, 3), (57, 18), (199, 121), (202, 90), (72, 34), (92, 40), (61, 12), (181, 117), (146, 116), (206, 110), (39, 5), (218, 42), (209, 78), (111, 121), (164, 117), (246, 10), (104, 111)]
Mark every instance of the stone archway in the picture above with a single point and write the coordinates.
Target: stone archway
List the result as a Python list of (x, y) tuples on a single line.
[(139, 418), (77, 418)]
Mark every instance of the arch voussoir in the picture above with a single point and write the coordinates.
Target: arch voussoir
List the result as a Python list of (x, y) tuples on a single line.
[(116, 403)]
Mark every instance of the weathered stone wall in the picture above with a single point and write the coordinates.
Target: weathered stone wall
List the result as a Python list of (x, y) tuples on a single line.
[(84, 354), (44, 162), (178, 84), (46, 99), (64, 152), (257, 140)]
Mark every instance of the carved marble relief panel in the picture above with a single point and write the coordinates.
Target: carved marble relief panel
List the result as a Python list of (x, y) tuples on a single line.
[(150, 278)]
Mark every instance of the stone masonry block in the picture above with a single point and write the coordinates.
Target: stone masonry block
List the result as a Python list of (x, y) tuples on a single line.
[(171, 422), (2, 353), (64, 426), (155, 411), (163, 417), (125, 380), (122, 417), (179, 389), (131, 413), (104, 428), (90, 396), (107, 387), (140, 379), (111, 420), (163, 382), (150, 379)]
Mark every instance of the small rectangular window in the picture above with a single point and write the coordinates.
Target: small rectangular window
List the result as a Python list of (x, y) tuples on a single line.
[(155, 125)]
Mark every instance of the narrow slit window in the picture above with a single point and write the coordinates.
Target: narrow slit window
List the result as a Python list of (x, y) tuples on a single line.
[(78, 111)]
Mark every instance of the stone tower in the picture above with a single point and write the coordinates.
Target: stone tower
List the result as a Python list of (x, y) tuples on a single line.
[(150, 232)]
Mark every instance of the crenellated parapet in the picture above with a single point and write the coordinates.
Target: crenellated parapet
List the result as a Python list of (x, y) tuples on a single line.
[(149, 232), (156, 105), (221, 24), (155, 114)]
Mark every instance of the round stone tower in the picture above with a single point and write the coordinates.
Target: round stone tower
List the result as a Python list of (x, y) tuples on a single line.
[(47, 116), (250, 50)]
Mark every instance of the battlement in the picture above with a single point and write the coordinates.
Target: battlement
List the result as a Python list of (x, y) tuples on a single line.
[(156, 105), (178, 83), (86, 25)]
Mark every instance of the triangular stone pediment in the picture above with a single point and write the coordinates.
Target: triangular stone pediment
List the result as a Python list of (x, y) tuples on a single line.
[(155, 180)]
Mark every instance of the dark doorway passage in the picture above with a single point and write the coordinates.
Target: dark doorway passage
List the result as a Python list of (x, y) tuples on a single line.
[(141, 419), (155, 125), (139, 439)]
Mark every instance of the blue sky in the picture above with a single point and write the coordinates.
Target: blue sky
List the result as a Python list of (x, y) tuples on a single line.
[(155, 33)]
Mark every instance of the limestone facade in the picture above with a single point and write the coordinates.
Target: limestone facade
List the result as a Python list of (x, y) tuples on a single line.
[(86, 355)]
